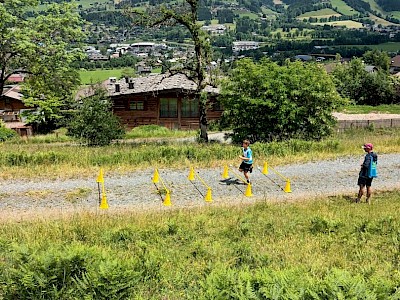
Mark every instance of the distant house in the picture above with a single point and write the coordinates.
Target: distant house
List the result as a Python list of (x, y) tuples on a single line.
[(11, 108), (95, 56), (395, 64), (371, 69), (143, 70), (214, 29), (16, 78), (165, 100), (244, 45), (303, 57)]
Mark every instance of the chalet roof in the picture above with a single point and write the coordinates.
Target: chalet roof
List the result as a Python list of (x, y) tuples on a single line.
[(13, 92), (154, 84), (16, 78), (395, 61)]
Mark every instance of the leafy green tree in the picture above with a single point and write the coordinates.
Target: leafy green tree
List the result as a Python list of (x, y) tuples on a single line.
[(354, 82), (184, 14), (40, 47), (94, 122), (265, 102), (349, 78), (377, 58), (128, 72)]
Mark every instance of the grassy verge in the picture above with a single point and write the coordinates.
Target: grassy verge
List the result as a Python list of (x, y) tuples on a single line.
[(25, 159), (324, 249), (365, 109), (154, 131)]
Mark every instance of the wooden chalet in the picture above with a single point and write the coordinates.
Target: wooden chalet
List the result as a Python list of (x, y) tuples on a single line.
[(11, 107), (165, 100)]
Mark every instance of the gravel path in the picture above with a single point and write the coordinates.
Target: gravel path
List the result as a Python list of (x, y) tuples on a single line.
[(20, 199)]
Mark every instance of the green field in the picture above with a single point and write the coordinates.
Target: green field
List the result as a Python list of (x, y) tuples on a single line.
[(86, 4), (395, 14), (88, 77), (322, 13), (343, 8), (348, 24), (327, 248), (379, 21), (389, 47), (375, 6), (95, 76), (243, 13), (365, 109)]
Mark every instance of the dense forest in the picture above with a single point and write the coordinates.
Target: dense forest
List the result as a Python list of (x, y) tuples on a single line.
[(389, 5)]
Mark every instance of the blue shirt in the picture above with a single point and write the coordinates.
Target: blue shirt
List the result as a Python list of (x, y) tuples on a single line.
[(248, 154)]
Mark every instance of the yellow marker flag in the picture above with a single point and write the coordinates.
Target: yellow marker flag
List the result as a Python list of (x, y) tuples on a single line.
[(100, 178)]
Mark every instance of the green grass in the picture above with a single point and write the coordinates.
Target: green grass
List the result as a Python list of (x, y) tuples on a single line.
[(348, 24), (322, 13), (243, 13), (95, 76), (26, 159), (375, 6), (389, 47), (395, 14), (365, 109), (154, 131), (99, 75), (322, 249), (343, 8)]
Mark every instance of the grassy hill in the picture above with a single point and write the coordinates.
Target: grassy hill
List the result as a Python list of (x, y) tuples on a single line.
[(340, 7)]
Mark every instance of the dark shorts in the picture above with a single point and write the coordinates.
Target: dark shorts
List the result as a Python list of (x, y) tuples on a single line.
[(364, 181), (246, 167)]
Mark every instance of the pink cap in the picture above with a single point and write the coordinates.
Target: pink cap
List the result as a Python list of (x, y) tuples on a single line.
[(368, 146)]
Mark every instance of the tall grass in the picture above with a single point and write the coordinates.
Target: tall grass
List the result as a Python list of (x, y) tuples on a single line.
[(70, 160), (324, 249), (155, 131)]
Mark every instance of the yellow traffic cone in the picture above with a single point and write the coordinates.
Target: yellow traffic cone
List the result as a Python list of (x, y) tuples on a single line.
[(287, 187), (208, 197), (100, 177), (155, 176), (191, 174), (248, 192), (225, 173), (167, 200), (104, 204), (265, 169)]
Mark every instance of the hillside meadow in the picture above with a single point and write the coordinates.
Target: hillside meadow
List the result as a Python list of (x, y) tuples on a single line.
[(328, 248)]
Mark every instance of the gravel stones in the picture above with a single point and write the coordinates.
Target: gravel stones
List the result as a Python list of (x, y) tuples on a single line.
[(43, 198)]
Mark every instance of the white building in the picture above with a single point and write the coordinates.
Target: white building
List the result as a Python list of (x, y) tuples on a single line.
[(244, 45)]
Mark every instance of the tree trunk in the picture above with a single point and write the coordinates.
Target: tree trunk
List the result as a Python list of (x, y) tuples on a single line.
[(203, 122)]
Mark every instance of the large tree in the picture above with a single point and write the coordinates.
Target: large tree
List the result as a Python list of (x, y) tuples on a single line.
[(184, 13), (354, 82), (266, 102), (377, 58), (40, 47)]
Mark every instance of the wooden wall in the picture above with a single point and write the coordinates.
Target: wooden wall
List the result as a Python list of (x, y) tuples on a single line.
[(11, 104), (151, 115)]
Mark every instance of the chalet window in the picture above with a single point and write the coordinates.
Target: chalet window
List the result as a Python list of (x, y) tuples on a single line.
[(136, 105), (190, 108), (217, 106), (168, 108)]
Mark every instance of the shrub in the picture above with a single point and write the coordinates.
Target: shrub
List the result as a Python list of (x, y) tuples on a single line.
[(6, 133)]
